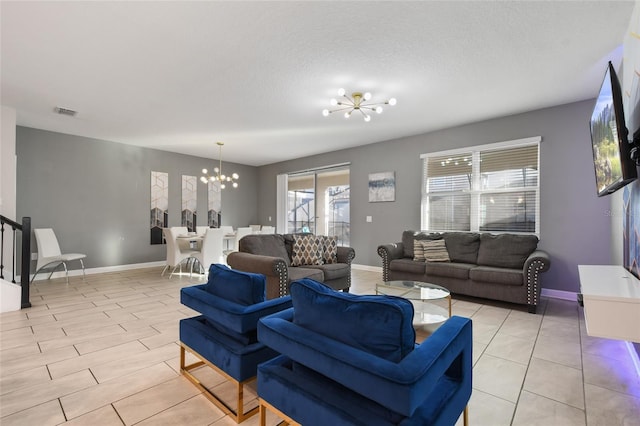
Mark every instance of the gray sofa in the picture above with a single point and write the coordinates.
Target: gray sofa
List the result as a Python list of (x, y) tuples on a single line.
[(271, 255), (504, 267)]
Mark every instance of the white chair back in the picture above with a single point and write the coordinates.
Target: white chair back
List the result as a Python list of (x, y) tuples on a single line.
[(227, 229), (179, 230), (254, 228), (47, 245), (211, 251), (268, 229), (241, 232), (201, 230)]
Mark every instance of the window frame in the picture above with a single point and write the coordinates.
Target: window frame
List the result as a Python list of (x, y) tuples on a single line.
[(475, 192)]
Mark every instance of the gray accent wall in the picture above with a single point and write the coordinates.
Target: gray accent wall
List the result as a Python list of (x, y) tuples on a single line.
[(575, 226), (95, 194)]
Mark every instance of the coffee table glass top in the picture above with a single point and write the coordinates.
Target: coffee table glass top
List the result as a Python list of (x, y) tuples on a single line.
[(414, 290), (420, 294)]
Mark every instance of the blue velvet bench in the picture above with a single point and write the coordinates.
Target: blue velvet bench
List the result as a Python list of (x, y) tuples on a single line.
[(224, 337), (352, 360)]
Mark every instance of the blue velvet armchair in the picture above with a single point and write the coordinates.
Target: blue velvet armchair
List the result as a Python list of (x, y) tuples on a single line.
[(224, 337), (352, 360)]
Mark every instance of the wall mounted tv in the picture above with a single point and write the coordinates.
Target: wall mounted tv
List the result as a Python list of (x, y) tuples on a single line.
[(610, 138)]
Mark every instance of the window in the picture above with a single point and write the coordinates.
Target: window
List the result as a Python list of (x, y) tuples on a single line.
[(489, 188)]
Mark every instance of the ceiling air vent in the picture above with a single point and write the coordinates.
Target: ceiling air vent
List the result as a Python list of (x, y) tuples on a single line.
[(65, 111)]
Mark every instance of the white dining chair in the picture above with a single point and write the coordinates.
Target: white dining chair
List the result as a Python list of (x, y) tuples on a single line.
[(176, 255), (240, 232), (211, 251), (254, 228), (201, 230), (50, 256), (227, 229), (268, 229)]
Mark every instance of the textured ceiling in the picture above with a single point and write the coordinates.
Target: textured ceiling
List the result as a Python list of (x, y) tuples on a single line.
[(179, 76)]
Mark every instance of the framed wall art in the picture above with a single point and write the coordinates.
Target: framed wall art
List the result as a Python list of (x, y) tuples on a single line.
[(159, 205), (382, 187)]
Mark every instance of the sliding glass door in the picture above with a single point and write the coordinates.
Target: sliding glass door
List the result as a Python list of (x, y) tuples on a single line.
[(318, 202)]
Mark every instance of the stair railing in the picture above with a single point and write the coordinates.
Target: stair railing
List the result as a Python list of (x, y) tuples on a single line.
[(25, 258)]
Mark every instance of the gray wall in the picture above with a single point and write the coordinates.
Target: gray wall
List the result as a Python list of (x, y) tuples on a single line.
[(575, 224), (95, 194)]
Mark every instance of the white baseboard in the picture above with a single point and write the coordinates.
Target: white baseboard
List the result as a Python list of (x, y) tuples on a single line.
[(367, 268), (559, 294), (116, 268)]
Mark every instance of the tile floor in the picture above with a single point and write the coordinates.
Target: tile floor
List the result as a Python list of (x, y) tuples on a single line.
[(104, 352)]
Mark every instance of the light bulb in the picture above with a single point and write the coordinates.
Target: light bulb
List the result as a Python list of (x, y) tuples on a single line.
[(222, 185), (367, 118), (203, 179), (367, 96), (223, 177), (341, 92), (325, 112), (235, 184), (347, 114), (334, 101), (212, 178), (379, 110), (235, 176), (216, 170), (392, 101), (204, 171)]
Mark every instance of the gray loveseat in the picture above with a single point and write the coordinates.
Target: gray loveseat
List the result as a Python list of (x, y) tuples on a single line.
[(504, 267), (272, 255)]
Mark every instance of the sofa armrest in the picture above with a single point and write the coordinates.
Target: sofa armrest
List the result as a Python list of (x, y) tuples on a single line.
[(401, 387), (346, 255), (274, 268), (388, 252), (536, 263)]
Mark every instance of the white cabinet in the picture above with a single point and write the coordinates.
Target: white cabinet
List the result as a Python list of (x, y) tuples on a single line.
[(611, 297)]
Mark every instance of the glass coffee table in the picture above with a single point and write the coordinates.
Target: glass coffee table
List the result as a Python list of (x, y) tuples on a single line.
[(422, 295)]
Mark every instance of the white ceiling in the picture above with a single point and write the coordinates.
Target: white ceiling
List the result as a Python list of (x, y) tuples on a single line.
[(179, 76)]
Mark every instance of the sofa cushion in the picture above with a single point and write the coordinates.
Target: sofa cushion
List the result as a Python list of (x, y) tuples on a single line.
[(496, 275), (380, 325), (244, 288), (506, 250), (462, 246), (307, 250), (332, 271), (407, 265), (450, 270), (266, 245), (301, 272)]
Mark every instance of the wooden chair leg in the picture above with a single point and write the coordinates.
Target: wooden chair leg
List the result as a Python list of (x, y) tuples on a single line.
[(465, 416)]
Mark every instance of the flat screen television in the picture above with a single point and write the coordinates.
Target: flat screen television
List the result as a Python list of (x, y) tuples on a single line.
[(609, 138)]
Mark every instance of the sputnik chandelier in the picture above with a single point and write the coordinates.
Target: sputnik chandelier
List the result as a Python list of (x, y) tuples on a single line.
[(357, 102), (218, 176)]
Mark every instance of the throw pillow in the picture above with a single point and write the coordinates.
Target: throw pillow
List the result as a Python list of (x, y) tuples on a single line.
[(244, 288), (307, 250), (435, 251), (380, 325), (418, 251), (329, 249)]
